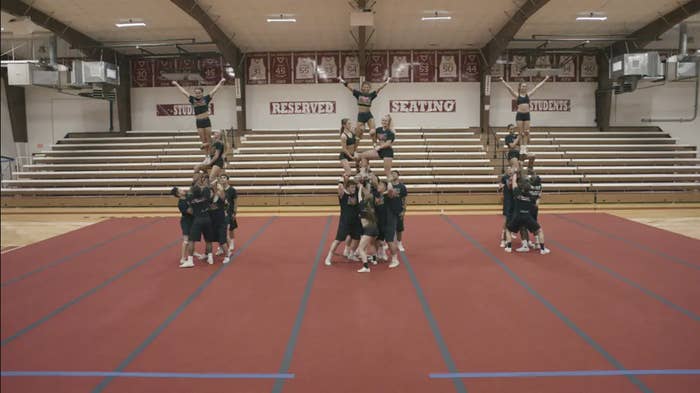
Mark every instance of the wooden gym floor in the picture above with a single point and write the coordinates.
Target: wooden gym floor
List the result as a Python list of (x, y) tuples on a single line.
[(23, 226)]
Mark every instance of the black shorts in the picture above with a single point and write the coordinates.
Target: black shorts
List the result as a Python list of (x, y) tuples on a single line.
[(370, 230), (202, 226), (348, 227), (522, 116), (507, 208), (203, 123), (513, 154), (218, 221), (186, 224), (231, 222), (363, 117), (389, 227), (523, 220), (535, 211), (399, 224), (386, 153), (219, 163), (345, 156)]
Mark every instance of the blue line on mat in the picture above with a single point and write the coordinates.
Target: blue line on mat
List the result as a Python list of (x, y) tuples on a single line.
[(144, 375), (630, 242), (142, 347), (588, 339), (291, 344), (444, 351), (575, 373), (75, 254)]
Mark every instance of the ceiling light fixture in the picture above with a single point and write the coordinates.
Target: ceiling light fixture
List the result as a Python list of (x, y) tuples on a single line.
[(589, 16), (282, 18), (436, 17), (130, 23)]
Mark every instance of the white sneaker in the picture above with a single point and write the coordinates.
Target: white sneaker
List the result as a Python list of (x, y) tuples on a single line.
[(531, 244), (182, 261), (394, 263), (513, 235), (219, 252), (545, 251), (353, 258), (210, 259), (364, 270), (524, 248), (187, 263), (346, 253), (375, 260), (401, 247), (227, 259), (199, 256), (503, 244), (328, 261), (508, 249)]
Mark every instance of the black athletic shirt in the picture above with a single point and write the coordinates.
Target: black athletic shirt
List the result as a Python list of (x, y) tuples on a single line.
[(523, 99), (349, 208), (380, 206), (364, 99), (523, 202), (349, 139), (183, 205), (201, 199), (218, 145), (385, 135), (510, 138), (535, 191), (230, 200), (200, 105), (218, 205), (403, 193), (507, 191)]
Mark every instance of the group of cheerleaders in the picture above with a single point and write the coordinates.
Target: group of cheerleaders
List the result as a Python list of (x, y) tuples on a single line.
[(522, 188), (208, 207), (371, 208)]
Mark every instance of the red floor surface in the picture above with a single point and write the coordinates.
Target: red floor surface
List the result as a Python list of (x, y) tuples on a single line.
[(358, 333)]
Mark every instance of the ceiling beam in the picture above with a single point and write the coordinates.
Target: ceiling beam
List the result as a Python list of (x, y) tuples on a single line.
[(231, 53), (77, 39), (494, 48), (656, 28)]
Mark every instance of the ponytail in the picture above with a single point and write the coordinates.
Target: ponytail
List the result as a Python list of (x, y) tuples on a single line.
[(342, 125)]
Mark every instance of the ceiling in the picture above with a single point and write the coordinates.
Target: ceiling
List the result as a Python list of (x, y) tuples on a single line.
[(324, 24)]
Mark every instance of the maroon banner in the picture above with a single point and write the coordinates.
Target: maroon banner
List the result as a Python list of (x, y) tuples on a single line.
[(448, 66), (546, 105), (470, 67), (327, 67), (211, 69), (257, 66), (518, 64), (424, 62), (422, 106), (400, 61), (588, 69), (141, 73), (351, 66), (280, 68), (544, 61), (377, 70), (164, 66), (305, 67), (188, 66), (179, 109), (302, 107), (568, 65)]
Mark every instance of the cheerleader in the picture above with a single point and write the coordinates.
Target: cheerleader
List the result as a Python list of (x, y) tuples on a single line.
[(349, 222), (200, 104), (348, 146), (522, 117), (384, 150), (364, 104)]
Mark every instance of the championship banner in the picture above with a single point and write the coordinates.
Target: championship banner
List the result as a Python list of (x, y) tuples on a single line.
[(327, 67), (544, 61), (589, 69), (424, 66), (164, 66), (302, 107), (568, 64), (470, 67), (211, 69), (448, 66), (350, 66), (422, 106), (548, 105), (179, 109), (187, 65), (305, 67), (518, 64), (280, 68), (400, 61), (377, 70), (257, 66), (141, 73)]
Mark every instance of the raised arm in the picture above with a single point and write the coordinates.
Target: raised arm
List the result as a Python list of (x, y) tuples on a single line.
[(182, 90), (341, 189), (510, 89), (383, 85), (537, 86), (347, 86), (218, 85)]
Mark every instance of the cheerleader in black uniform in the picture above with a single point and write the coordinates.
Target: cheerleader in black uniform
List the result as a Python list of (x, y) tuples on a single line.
[(349, 222), (183, 204), (522, 117), (201, 224), (370, 229), (348, 146), (384, 150), (364, 104), (231, 210), (200, 103)]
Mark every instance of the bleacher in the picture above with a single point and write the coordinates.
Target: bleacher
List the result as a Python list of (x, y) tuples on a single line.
[(302, 167)]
